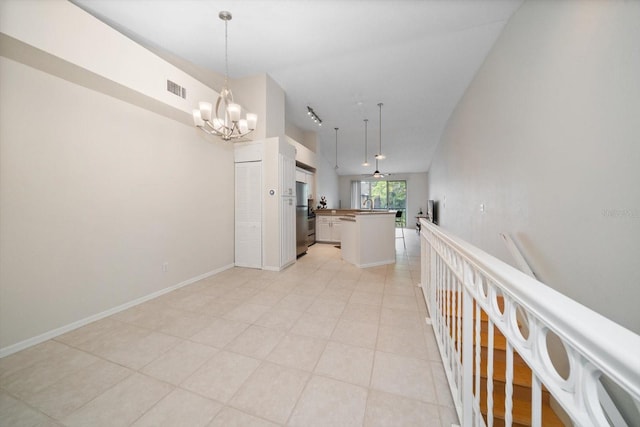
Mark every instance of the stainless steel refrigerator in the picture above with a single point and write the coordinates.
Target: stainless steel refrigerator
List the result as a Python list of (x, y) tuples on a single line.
[(301, 218)]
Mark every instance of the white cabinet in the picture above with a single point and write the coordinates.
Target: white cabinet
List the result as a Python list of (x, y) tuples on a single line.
[(248, 213), (323, 230), (288, 230), (301, 175), (336, 226), (328, 228), (287, 174), (265, 234), (308, 177)]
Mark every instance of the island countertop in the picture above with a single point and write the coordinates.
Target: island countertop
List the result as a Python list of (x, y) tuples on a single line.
[(368, 238), (352, 212)]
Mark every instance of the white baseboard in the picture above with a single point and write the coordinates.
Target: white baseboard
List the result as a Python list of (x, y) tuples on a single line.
[(377, 264), (6, 351)]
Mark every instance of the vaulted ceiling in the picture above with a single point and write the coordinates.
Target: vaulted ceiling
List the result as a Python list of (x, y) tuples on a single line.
[(340, 57)]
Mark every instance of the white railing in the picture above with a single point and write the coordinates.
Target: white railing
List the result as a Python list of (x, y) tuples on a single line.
[(476, 302)]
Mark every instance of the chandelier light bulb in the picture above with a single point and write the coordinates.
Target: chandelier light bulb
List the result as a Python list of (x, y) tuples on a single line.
[(234, 111), (252, 120)]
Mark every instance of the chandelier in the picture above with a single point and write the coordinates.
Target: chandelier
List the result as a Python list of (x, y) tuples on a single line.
[(226, 123)]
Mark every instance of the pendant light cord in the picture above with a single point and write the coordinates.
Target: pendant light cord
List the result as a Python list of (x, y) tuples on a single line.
[(380, 147), (366, 149), (336, 148)]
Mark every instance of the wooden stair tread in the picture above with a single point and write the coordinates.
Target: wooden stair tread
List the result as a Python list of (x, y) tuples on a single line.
[(499, 343), (521, 413), (521, 373), (522, 376)]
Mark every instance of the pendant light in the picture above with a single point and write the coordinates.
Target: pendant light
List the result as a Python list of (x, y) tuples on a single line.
[(336, 167), (366, 161), (380, 156)]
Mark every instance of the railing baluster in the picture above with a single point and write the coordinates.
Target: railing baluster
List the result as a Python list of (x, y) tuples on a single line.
[(490, 374), (467, 357), (447, 314), (460, 344), (536, 401), (508, 392), (476, 398)]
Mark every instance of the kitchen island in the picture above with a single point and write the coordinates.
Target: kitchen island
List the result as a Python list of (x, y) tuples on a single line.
[(368, 238)]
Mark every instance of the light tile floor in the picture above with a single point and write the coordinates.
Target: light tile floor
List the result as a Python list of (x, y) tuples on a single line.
[(321, 343)]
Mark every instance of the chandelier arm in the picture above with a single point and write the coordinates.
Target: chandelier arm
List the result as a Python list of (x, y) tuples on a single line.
[(213, 128), (225, 131), (207, 131)]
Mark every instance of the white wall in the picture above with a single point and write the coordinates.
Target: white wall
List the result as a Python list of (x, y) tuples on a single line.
[(70, 34), (96, 194), (261, 95), (546, 137), (326, 182), (103, 178)]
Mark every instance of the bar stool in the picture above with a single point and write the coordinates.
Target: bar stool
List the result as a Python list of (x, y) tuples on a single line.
[(399, 224)]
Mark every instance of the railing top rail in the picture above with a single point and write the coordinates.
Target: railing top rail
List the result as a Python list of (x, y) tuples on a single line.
[(611, 347)]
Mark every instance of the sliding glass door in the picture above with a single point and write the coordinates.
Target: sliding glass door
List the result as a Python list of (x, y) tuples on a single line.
[(383, 194)]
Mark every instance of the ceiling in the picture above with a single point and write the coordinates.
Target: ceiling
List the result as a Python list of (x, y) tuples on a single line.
[(340, 57)]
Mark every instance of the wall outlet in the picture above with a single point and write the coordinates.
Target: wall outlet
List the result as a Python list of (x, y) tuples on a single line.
[(481, 207), (165, 266)]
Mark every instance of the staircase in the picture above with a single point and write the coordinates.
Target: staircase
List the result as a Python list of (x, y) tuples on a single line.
[(521, 397), (596, 348)]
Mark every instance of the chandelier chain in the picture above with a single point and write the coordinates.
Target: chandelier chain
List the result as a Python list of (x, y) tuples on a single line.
[(226, 54)]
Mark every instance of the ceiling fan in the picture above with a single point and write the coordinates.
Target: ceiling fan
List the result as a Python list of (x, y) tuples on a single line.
[(377, 174)]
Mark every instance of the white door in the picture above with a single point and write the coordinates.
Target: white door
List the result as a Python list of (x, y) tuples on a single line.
[(248, 215)]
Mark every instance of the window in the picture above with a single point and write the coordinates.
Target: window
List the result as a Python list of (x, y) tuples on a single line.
[(383, 195)]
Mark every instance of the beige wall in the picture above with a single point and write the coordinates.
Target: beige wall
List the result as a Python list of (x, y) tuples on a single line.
[(104, 181), (96, 195), (547, 138), (327, 182)]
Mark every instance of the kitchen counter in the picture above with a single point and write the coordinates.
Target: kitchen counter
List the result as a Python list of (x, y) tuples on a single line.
[(345, 212), (368, 237)]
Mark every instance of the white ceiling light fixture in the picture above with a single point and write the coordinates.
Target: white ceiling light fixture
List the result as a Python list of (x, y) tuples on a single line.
[(227, 123), (380, 156), (336, 167), (366, 157)]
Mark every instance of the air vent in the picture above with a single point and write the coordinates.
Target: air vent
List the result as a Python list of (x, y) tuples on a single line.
[(176, 89)]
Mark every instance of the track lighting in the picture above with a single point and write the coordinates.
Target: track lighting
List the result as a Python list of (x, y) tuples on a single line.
[(314, 116)]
